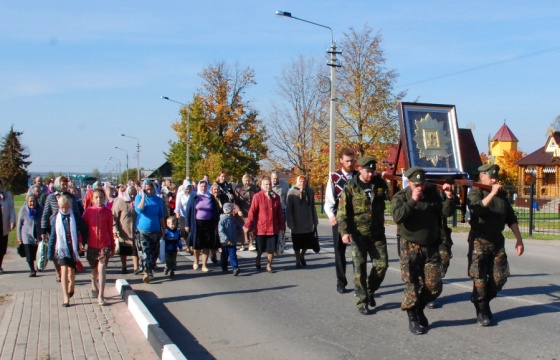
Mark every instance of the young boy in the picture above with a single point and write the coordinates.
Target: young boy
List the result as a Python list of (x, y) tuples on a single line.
[(228, 228), (172, 244)]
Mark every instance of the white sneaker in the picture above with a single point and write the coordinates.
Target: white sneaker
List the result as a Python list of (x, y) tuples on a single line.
[(252, 248)]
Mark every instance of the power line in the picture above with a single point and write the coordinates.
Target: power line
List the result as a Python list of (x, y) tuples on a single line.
[(483, 66)]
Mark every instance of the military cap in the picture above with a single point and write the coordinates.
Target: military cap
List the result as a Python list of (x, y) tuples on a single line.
[(367, 162), (416, 175), (491, 170)]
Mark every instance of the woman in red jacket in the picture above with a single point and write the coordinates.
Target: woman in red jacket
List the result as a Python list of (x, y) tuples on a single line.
[(266, 219), (101, 243)]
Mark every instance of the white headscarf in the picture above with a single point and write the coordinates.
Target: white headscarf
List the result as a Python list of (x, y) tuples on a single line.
[(61, 247)]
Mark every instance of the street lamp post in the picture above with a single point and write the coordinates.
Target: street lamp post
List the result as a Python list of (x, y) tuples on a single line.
[(116, 147), (333, 64), (117, 165), (188, 139), (138, 150)]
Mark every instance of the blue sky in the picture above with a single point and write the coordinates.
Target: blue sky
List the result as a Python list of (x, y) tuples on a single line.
[(74, 75)]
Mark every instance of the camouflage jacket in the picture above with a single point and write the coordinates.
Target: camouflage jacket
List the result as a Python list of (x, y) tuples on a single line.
[(420, 221), (359, 215), (489, 222)]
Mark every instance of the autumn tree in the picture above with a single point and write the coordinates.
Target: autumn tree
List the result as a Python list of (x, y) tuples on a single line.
[(297, 124), (225, 132), (367, 102), (13, 163), (509, 171)]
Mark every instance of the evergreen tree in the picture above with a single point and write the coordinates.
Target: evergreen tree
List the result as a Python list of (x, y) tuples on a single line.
[(12, 163)]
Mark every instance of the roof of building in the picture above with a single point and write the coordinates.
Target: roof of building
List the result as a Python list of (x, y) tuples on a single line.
[(546, 155), (504, 134), (470, 156)]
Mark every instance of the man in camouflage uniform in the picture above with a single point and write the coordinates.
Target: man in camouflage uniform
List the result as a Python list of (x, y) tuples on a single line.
[(445, 245), (418, 210), (488, 266), (361, 221)]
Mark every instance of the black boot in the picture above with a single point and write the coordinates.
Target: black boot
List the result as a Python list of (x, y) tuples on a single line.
[(432, 304), (422, 319), (482, 318), (413, 325), (490, 315)]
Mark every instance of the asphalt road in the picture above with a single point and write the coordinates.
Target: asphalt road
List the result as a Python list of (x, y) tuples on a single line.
[(298, 313)]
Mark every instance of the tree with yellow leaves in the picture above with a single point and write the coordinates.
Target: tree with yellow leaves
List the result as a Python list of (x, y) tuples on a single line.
[(225, 133)]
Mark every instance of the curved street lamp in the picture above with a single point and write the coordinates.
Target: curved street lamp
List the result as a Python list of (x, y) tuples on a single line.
[(138, 150), (333, 64), (188, 139)]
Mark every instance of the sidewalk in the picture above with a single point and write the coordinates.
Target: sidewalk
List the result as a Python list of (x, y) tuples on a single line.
[(34, 325)]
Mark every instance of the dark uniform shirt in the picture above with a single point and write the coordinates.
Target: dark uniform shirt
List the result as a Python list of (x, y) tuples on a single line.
[(419, 221), (489, 222)]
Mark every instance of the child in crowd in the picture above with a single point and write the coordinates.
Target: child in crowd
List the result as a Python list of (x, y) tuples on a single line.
[(101, 242), (228, 229), (173, 243), (64, 246)]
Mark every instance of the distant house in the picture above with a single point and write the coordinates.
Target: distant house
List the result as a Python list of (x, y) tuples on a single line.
[(504, 141), (162, 172), (542, 167)]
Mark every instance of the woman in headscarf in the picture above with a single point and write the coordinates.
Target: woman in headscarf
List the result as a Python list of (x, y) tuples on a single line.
[(302, 218), (266, 219), (50, 210), (124, 227), (203, 215), (151, 225), (29, 230), (183, 195)]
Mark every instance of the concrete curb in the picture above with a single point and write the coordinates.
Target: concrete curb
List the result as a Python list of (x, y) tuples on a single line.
[(162, 345)]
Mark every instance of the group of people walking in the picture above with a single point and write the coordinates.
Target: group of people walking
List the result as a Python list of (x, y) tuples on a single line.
[(355, 204), (132, 220)]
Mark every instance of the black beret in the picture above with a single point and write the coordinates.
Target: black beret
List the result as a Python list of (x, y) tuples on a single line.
[(491, 170), (367, 162), (416, 175)]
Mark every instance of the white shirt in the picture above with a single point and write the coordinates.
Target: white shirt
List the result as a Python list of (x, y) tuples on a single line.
[(330, 200)]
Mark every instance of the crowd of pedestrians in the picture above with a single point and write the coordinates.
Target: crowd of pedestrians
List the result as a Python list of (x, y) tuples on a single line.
[(144, 220)]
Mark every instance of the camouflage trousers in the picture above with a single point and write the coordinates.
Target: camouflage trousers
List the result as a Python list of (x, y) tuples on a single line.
[(488, 267), (421, 271), (364, 285), (445, 250), (446, 255)]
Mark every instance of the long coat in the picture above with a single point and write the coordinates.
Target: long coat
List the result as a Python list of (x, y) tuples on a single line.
[(265, 215), (190, 218), (300, 212), (29, 227)]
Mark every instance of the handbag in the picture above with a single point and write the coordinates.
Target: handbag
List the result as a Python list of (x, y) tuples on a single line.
[(281, 244), (162, 250), (42, 255), (21, 250), (316, 246), (79, 265)]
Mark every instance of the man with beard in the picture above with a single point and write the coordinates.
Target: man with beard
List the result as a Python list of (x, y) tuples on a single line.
[(335, 184)]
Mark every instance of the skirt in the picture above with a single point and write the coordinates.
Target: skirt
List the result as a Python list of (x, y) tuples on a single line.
[(266, 243), (30, 252), (205, 235)]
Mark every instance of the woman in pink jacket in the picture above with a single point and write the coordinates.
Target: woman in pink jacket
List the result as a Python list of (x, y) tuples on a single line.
[(266, 219), (101, 243)]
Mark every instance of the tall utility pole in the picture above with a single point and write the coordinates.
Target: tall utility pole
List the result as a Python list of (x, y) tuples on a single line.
[(333, 64), (188, 138), (138, 150)]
